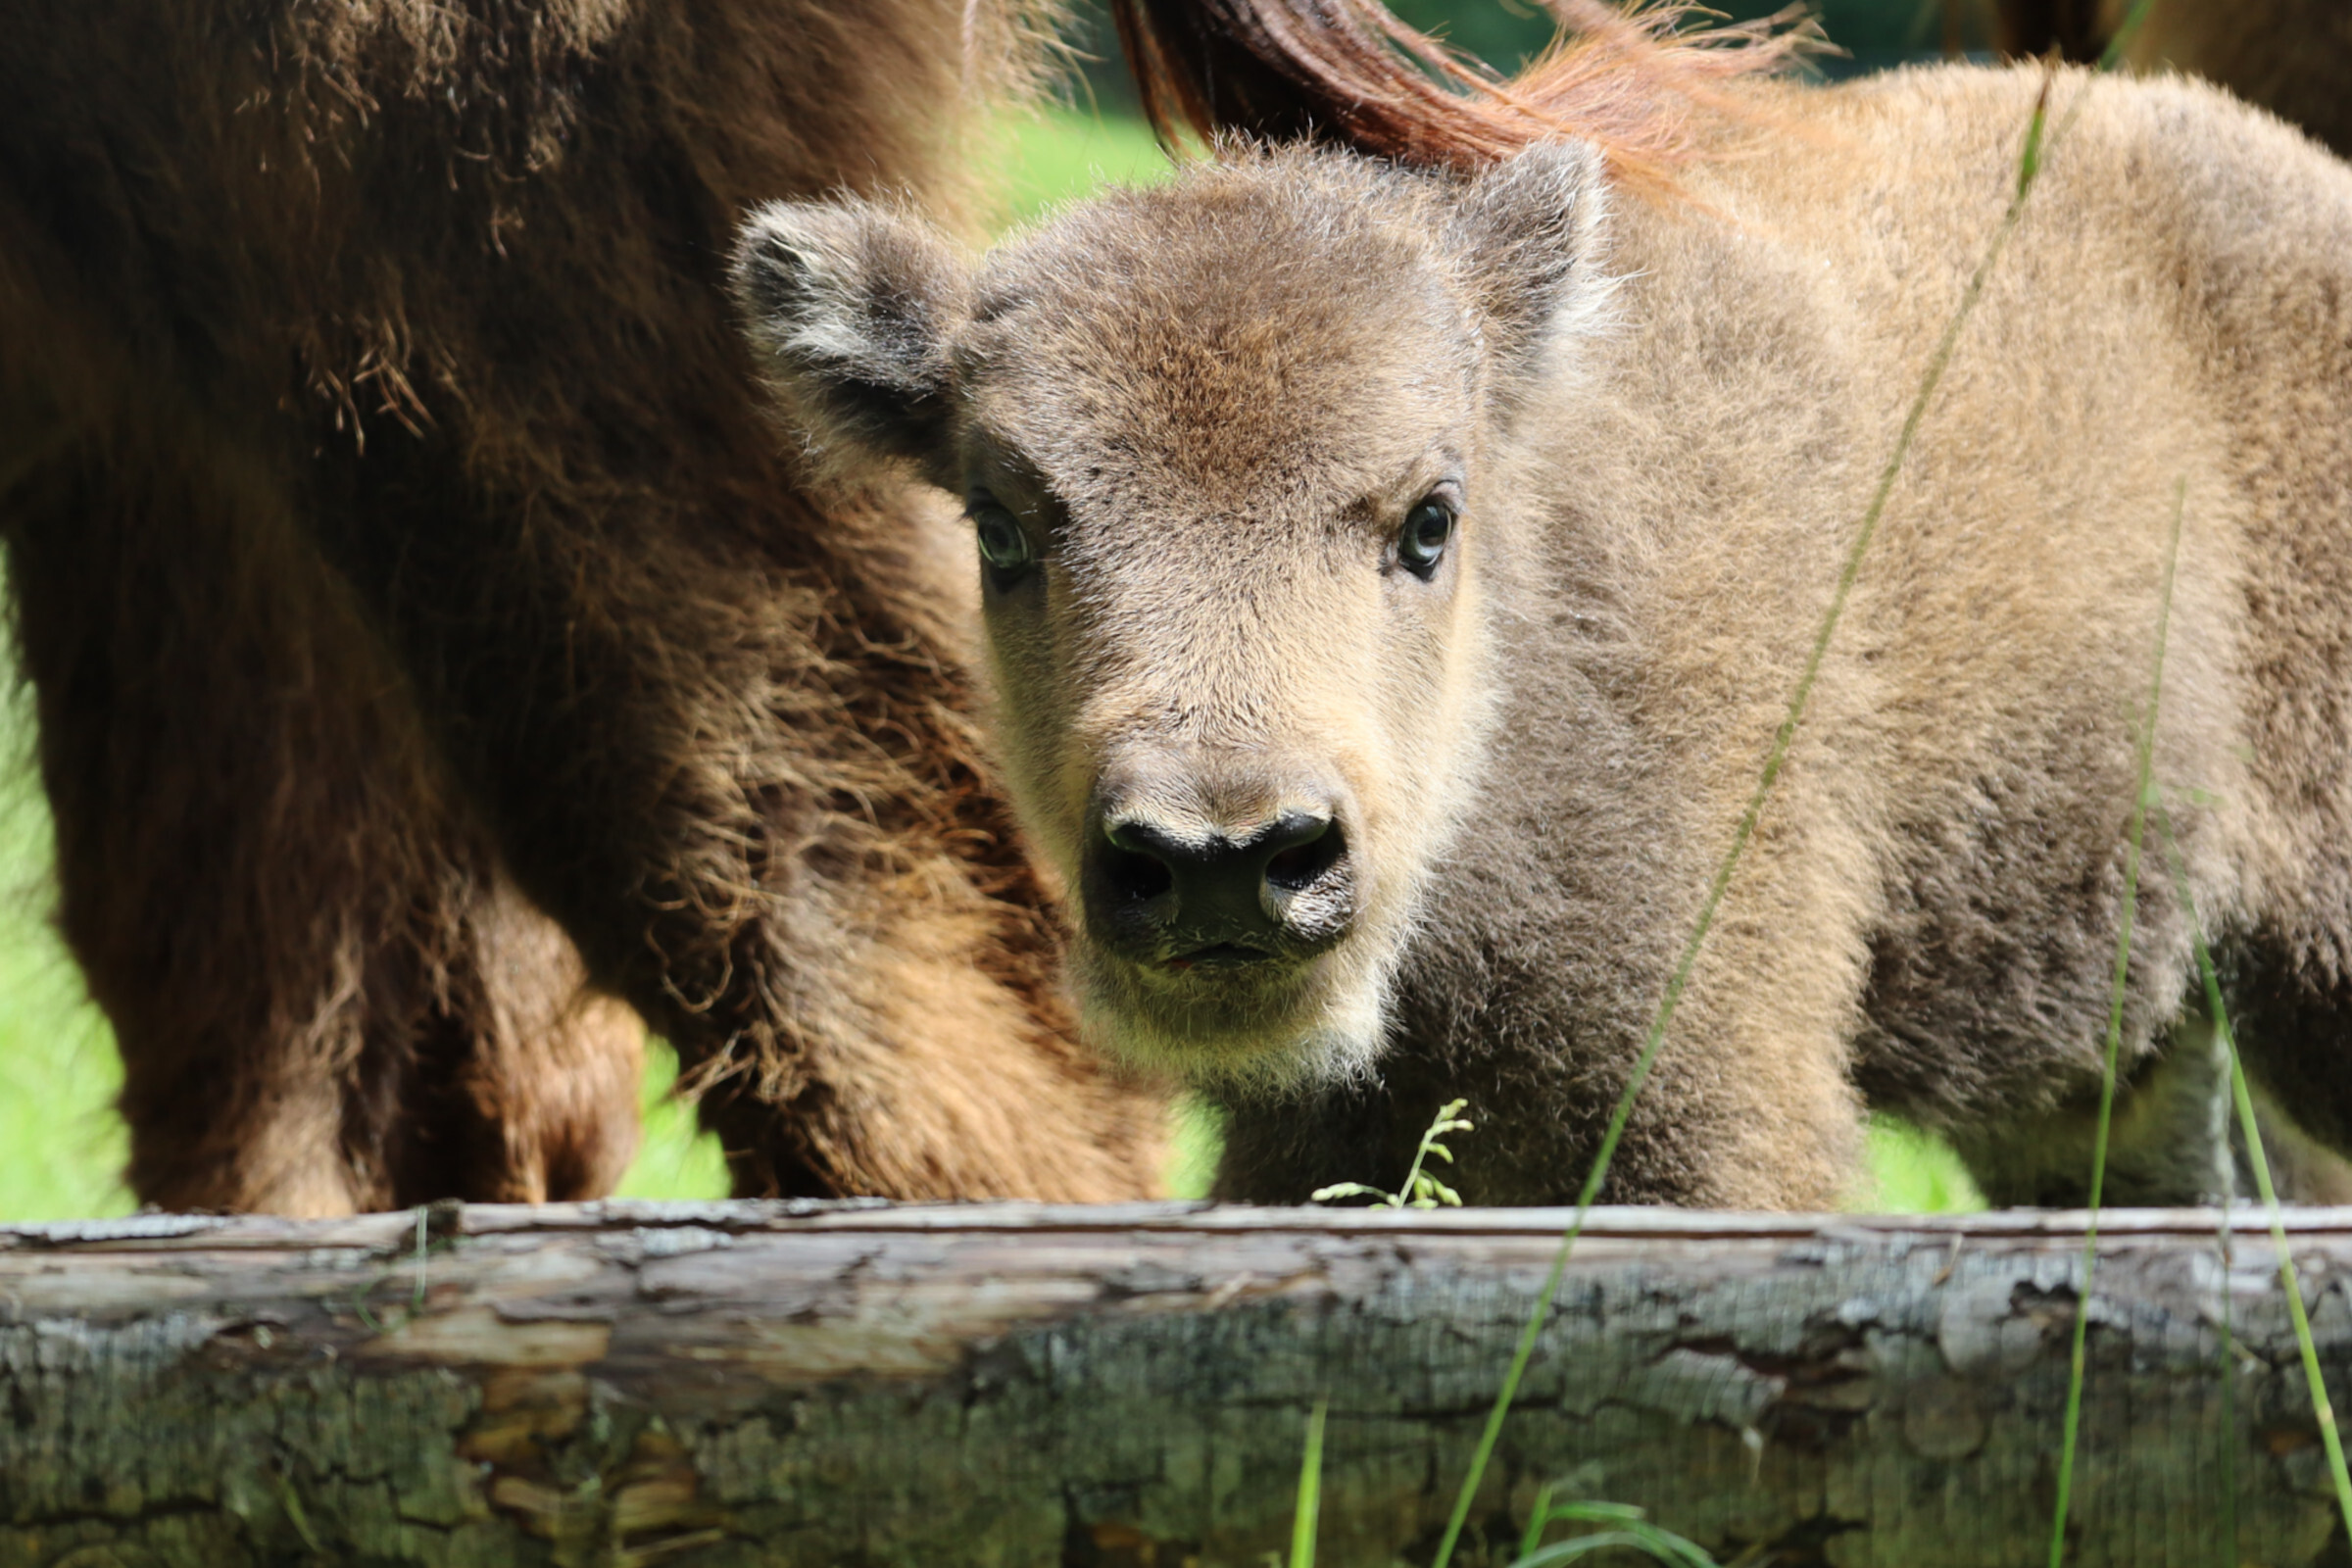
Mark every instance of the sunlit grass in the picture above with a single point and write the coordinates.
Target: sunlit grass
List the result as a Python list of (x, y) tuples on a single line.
[(1916, 1172), (676, 1158), (1061, 155), (62, 1146)]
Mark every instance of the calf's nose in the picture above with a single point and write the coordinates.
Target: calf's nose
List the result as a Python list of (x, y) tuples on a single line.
[(1185, 893)]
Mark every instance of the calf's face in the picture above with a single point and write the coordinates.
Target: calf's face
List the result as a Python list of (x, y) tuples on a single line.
[(1229, 449)]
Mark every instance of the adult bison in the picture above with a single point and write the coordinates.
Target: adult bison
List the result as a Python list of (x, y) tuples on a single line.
[(433, 651), (2291, 56)]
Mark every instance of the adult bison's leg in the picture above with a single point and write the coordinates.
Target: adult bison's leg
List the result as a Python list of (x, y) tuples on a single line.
[(526, 1079), (827, 911), (724, 740), (325, 996)]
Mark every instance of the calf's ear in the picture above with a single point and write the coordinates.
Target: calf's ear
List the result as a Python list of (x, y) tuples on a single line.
[(1528, 235), (848, 305)]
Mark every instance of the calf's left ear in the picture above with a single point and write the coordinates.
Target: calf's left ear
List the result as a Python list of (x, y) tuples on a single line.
[(848, 305), (1527, 234)]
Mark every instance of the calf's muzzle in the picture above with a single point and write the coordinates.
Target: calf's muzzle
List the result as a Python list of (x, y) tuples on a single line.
[(1185, 892)]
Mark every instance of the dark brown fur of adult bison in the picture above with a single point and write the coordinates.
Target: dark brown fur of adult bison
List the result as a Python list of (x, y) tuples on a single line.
[(2291, 56), (435, 656)]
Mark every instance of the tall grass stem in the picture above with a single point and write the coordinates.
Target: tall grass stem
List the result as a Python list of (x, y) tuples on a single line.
[(1310, 1490), (2143, 766), (2031, 163), (2228, 1250), (2251, 1129)]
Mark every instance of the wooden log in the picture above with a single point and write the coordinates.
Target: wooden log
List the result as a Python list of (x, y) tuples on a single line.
[(848, 1383)]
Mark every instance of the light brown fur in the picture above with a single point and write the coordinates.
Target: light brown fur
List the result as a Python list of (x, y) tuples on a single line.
[(1211, 405)]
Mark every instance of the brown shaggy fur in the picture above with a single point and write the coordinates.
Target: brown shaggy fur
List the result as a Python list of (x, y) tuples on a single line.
[(2291, 56), (433, 651), (1630, 81), (1210, 409)]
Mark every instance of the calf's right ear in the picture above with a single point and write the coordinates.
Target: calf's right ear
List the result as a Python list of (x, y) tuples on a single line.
[(848, 305)]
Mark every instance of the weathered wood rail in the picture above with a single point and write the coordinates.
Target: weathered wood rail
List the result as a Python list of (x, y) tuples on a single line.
[(842, 1384)]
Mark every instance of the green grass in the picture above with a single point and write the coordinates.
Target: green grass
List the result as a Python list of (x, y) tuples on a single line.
[(1916, 1172), (62, 1147), (678, 1159), (1061, 155)]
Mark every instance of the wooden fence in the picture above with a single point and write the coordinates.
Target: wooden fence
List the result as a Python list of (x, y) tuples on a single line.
[(993, 1385)]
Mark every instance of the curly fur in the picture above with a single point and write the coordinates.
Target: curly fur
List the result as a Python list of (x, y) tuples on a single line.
[(436, 659)]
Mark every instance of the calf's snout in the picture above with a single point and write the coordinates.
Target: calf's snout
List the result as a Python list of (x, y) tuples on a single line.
[(1189, 890)]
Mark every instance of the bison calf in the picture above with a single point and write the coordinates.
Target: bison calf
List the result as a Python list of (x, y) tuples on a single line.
[(1394, 580)]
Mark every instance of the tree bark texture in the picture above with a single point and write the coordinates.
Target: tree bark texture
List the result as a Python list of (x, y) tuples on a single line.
[(1128, 1387)]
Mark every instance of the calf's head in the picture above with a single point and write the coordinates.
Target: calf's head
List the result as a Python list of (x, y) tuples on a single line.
[(1235, 455)]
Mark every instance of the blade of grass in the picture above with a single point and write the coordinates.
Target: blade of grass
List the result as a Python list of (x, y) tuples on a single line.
[(2229, 1336), (1603, 1541), (2032, 161), (1628, 1531), (1536, 1521), (2143, 762), (2321, 1408), (2227, 1238), (1310, 1490), (2113, 55)]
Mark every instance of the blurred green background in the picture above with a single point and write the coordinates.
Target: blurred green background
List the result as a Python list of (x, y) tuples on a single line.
[(60, 1146)]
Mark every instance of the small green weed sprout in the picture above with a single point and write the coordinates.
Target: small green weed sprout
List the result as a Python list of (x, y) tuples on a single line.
[(1624, 1528), (358, 1298), (1421, 1189)]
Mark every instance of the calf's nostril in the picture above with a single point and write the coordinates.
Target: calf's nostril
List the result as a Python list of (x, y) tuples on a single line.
[(1135, 875), (1215, 896), (1300, 863)]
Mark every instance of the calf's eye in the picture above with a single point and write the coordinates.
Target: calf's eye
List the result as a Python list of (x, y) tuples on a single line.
[(1421, 542), (1003, 543)]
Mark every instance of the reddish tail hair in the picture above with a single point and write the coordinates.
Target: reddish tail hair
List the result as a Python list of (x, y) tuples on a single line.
[(1348, 71)]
